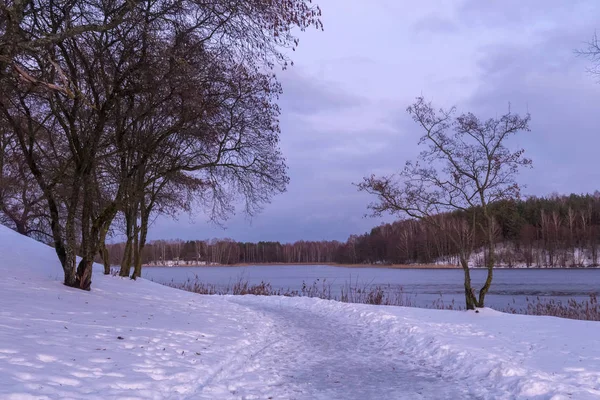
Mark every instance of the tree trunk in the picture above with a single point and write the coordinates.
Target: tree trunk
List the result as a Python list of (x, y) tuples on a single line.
[(65, 256), (84, 273), (126, 261), (136, 250), (130, 219), (470, 299), (103, 250), (89, 236), (68, 265), (20, 226), (70, 234), (137, 259), (100, 227), (70, 272), (491, 260), (143, 233)]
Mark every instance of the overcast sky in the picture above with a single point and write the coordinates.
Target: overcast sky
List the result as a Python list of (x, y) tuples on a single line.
[(345, 99)]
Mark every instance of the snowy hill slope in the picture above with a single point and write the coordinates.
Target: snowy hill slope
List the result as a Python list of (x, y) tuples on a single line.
[(140, 340)]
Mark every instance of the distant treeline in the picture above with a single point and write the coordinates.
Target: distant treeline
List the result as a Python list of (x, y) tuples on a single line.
[(553, 231), (227, 251)]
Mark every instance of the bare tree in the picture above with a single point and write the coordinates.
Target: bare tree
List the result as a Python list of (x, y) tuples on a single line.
[(202, 131), (466, 167), (592, 52), (21, 204), (22, 33), (64, 82)]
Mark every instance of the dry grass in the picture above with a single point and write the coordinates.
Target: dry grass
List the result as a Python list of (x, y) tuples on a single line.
[(588, 310), (363, 294), (391, 296)]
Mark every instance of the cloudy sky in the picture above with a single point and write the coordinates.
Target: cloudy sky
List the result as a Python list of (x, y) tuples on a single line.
[(345, 99)]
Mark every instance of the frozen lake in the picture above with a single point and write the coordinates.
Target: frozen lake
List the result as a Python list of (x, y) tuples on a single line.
[(511, 287)]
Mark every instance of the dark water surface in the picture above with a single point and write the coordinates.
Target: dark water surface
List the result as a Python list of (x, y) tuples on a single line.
[(511, 287)]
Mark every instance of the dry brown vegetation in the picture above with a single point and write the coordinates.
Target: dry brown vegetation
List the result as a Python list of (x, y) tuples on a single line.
[(320, 288), (389, 295)]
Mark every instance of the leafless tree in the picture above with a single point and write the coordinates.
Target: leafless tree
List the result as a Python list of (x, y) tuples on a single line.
[(22, 30), (219, 140), (67, 69), (21, 203), (592, 52), (466, 167)]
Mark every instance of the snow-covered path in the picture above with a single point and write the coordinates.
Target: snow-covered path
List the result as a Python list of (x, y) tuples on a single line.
[(140, 340), (324, 356)]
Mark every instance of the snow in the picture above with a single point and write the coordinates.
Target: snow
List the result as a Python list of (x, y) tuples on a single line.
[(140, 340), (507, 256)]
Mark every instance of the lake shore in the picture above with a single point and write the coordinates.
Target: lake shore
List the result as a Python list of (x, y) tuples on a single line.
[(388, 266), (383, 266)]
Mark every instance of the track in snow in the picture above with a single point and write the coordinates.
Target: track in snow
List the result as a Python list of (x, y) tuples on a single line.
[(315, 355)]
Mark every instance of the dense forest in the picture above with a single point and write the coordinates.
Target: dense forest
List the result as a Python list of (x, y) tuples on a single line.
[(552, 231)]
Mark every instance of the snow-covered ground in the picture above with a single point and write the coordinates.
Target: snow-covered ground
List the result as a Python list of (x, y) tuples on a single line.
[(507, 256), (140, 340)]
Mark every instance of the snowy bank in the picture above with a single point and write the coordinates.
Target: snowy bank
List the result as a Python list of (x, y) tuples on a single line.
[(140, 340)]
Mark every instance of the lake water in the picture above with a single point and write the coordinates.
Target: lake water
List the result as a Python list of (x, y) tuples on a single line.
[(511, 287)]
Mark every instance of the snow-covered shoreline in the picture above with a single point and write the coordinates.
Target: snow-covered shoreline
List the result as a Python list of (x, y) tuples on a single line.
[(439, 265), (140, 340)]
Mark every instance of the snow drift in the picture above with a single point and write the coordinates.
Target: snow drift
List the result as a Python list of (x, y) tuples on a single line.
[(140, 340)]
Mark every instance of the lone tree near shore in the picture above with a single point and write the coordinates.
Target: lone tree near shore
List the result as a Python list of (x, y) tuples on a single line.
[(466, 167)]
